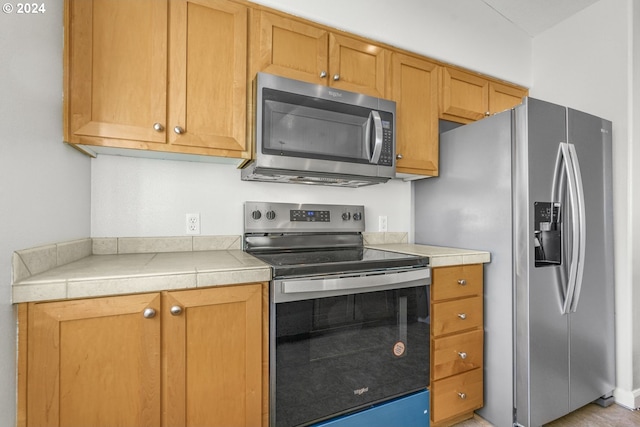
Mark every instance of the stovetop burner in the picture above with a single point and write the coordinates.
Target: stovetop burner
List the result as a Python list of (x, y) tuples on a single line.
[(309, 240), (337, 261)]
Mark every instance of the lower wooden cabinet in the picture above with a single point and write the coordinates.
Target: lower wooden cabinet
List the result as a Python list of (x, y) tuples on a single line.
[(457, 343), (180, 358), (457, 397)]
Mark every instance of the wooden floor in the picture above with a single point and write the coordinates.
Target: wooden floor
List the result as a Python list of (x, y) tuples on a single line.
[(591, 415)]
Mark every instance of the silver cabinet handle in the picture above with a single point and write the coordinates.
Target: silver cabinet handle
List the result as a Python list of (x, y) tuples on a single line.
[(176, 310), (462, 395), (462, 316), (149, 313), (336, 77), (487, 113), (399, 156), (158, 127), (323, 74), (179, 130), (462, 282), (462, 355)]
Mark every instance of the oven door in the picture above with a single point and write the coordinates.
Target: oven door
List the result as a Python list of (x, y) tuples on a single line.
[(340, 344)]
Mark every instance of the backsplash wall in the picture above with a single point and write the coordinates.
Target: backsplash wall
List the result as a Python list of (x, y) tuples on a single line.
[(135, 197)]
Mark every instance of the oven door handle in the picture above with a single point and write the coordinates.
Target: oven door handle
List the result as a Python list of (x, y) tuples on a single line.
[(337, 285)]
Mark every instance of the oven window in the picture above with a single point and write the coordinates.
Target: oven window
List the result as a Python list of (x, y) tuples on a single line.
[(338, 354)]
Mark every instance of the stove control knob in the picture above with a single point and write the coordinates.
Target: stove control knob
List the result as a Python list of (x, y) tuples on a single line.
[(271, 215), (346, 216), (357, 216), (256, 214)]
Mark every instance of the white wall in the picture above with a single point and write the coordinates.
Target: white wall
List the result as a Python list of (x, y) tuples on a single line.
[(44, 184), (587, 62), (143, 197)]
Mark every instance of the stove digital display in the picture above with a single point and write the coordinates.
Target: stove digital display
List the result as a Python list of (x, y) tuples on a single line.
[(309, 216)]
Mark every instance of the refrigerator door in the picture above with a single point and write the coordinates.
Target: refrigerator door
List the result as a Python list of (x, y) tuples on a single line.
[(592, 346), (541, 328), (564, 292)]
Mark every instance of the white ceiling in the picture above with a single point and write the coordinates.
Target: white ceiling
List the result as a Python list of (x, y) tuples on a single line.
[(536, 16)]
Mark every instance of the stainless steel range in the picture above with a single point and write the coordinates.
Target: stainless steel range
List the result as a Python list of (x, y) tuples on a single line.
[(348, 324)]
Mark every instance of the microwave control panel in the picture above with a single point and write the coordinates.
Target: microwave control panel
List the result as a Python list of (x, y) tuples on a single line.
[(387, 155)]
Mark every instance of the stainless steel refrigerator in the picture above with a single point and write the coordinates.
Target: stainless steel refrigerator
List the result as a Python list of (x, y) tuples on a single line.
[(533, 186)]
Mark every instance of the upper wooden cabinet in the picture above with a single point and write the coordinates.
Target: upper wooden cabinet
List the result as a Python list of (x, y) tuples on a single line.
[(465, 97), (414, 87), (503, 96), (174, 77), (296, 49), (135, 80), (180, 358)]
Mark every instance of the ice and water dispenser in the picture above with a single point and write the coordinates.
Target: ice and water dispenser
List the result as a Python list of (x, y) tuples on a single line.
[(547, 234)]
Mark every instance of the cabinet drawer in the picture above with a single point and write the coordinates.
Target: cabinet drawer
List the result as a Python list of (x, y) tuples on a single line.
[(456, 395), (456, 354), (456, 281), (457, 315)]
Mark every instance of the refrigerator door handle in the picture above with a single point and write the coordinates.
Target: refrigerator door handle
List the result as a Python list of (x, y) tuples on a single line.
[(565, 168), (582, 229)]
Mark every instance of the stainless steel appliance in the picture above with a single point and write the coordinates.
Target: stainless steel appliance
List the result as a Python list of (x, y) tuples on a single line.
[(533, 186), (313, 134), (348, 324)]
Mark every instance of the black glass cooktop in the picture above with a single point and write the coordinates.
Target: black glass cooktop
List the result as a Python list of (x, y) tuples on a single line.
[(336, 261)]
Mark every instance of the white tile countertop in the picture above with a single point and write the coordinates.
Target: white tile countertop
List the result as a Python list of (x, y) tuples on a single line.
[(439, 256), (102, 275), (97, 267)]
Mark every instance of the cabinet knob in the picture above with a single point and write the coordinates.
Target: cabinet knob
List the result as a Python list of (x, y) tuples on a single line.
[(158, 127), (462, 282), (487, 113), (149, 313), (336, 77), (176, 310), (399, 156), (462, 396), (179, 130), (462, 316), (323, 74), (462, 355)]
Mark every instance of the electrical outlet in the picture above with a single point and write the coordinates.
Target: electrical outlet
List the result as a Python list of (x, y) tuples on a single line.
[(382, 223), (193, 223)]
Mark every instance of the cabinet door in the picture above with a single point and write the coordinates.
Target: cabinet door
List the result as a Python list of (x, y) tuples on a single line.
[(357, 66), (213, 350), (503, 97), (94, 362), (208, 77), (290, 48), (414, 87), (116, 72), (464, 96)]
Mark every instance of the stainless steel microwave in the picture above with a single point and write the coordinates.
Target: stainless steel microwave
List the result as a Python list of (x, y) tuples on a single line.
[(313, 134)]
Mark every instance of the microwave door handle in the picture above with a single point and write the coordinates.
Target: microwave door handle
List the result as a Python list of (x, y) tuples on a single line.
[(377, 146), (367, 137)]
